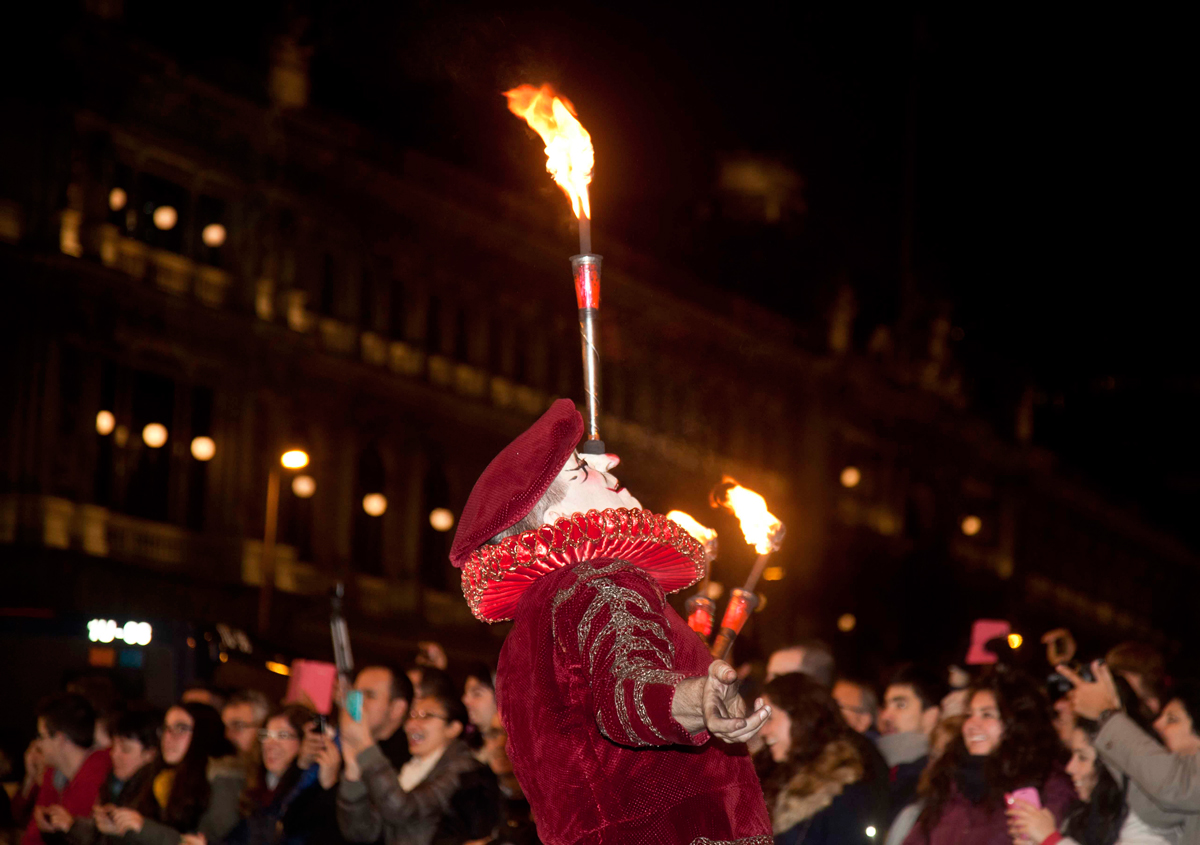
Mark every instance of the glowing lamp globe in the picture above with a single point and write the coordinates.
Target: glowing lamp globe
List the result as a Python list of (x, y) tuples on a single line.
[(165, 217), (213, 235), (154, 435), (105, 423), (304, 486), (294, 459), (375, 504), (203, 448)]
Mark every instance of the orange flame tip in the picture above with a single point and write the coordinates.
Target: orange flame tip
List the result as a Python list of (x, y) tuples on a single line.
[(570, 158), (760, 527), (685, 521)]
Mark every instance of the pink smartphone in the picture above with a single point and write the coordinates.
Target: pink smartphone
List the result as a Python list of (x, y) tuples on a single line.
[(1028, 794)]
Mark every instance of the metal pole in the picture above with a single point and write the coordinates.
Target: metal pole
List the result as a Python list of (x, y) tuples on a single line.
[(267, 564)]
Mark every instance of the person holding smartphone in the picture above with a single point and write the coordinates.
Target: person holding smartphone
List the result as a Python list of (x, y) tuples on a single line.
[(1104, 817), (1007, 743), (1166, 784)]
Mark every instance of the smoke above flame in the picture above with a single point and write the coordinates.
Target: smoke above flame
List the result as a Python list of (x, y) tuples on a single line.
[(570, 158), (760, 527)]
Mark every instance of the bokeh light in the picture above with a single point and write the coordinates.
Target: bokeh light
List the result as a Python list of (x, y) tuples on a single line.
[(105, 422), (441, 519), (375, 504), (203, 448), (304, 486), (294, 459), (154, 435), (165, 217), (851, 476)]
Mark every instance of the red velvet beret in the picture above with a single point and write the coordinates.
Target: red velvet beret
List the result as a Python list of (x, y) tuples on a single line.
[(517, 478)]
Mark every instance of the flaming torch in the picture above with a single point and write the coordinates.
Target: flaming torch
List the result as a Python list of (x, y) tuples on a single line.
[(761, 530), (570, 159), (700, 608)]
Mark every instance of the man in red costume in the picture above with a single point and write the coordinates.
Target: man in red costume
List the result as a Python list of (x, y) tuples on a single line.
[(621, 727)]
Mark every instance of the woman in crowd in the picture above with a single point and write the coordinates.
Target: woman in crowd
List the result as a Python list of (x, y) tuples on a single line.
[(479, 696), (1104, 817), (814, 787), (284, 801), (198, 787), (1177, 724), (1008, 742)]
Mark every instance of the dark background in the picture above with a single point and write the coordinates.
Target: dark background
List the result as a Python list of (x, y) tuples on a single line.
[(1024, 172)]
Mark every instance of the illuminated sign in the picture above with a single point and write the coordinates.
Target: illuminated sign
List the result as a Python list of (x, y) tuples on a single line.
[(106, 631)]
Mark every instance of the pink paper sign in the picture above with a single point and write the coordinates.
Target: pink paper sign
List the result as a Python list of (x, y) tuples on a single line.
[(981, 632), (312, 683)]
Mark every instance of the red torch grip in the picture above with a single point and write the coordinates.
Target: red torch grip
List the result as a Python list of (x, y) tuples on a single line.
[(741, 604), (700, 611), (587, 280)]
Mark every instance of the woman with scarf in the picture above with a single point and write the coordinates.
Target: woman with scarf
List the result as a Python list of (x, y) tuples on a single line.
[(1008, 742), (284, 800), (815, 786)]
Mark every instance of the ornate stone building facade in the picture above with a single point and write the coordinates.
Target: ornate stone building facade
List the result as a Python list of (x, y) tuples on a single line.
[(267, 277)]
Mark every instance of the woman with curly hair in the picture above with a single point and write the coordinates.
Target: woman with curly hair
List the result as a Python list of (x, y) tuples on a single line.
[(815, 788), (1008, 742)]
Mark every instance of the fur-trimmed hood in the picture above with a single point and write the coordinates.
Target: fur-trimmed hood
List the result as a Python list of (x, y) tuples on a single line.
[(814, 787)]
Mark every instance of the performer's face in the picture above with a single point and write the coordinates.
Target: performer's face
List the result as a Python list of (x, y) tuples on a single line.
[(590, 486)]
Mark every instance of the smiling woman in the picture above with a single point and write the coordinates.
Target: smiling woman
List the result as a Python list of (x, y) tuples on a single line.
[(1007, 743)]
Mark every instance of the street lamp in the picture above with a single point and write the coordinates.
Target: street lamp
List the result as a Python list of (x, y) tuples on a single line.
[(291, 459)]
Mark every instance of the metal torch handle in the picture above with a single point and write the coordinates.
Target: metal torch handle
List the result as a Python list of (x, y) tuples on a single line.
[(723, 643), (589, 320)]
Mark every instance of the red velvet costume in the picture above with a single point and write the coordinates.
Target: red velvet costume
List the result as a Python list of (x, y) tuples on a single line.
[(587, 676)]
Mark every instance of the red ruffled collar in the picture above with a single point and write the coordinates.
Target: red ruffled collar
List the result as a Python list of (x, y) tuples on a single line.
[(495, 576)]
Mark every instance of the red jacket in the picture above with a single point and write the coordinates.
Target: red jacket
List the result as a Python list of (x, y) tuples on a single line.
[(965, 823), (77, 797), (584, 685)]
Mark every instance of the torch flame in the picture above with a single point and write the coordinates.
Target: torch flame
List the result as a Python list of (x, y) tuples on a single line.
[(701, 533), (759, 526), (569, 155)]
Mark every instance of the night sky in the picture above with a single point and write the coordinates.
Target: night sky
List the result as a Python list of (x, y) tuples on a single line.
[(1047, 203)]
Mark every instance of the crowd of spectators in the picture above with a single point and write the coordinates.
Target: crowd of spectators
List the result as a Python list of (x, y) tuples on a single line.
[(1097, 755)]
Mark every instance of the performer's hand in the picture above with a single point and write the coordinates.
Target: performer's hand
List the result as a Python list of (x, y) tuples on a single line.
[(712, 703), (1090, 699)]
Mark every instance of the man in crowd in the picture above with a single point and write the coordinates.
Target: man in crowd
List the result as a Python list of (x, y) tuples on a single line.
[(441, 793), (1165, 786), (860, 705), (74, 771), (387, 695), (911, 709), (621, 727), (810, 657), (244, 715)]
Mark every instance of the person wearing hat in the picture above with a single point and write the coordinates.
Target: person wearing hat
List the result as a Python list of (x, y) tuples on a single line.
[(621, 727)]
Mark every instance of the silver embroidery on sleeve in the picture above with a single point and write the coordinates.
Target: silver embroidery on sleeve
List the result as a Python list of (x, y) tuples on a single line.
[(631, 633), (749, 840)]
